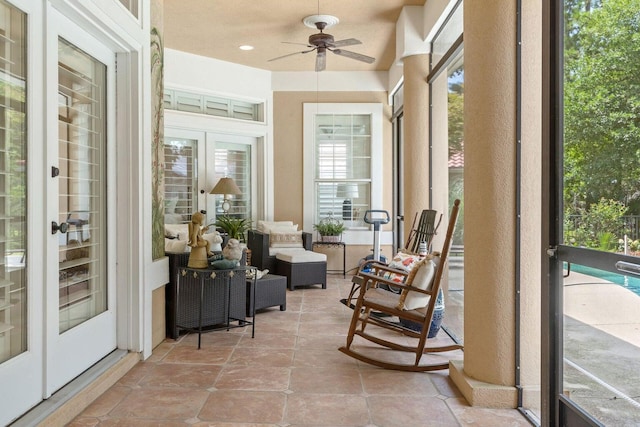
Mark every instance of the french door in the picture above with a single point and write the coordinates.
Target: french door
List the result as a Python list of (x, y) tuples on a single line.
[(593, 214), (80, 289), (21, 252)]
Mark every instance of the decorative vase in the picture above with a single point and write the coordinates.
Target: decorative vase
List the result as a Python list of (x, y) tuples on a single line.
[(436, 321), (438, 315)]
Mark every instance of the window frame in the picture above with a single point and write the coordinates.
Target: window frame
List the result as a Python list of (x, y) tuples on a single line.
[(311, 110)]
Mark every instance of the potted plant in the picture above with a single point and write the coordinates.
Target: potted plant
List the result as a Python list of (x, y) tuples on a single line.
[(330, 229), (234, 227)]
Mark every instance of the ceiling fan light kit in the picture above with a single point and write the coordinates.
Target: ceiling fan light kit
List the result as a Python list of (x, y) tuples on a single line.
[(322, 42)]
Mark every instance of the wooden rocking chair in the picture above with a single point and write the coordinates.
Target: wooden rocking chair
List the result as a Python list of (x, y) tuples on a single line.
[(375, 307)]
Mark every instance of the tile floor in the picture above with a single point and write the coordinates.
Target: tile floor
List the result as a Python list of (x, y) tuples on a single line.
[(290, 374)]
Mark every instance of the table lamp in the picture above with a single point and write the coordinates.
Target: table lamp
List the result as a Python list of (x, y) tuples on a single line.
[(225, 187)]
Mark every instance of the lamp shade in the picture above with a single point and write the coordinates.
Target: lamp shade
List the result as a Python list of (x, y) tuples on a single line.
[(225, 186)]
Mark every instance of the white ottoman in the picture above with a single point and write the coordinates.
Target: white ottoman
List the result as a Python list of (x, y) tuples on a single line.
[(302, 268)]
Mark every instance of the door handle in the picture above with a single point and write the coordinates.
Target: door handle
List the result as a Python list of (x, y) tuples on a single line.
[(628, 267), (62, 228)]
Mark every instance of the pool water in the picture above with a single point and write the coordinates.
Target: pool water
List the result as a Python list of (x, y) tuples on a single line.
[(629, 282)]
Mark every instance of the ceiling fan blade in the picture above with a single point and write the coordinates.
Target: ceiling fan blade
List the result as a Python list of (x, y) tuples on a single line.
[(301, 44), (353, 55), (345, 42), (321, 61), (290, 54)]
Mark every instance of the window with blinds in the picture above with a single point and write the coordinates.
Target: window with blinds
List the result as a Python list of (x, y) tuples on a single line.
[(342, 176), (180, 178), (213, 106), (234, 161)]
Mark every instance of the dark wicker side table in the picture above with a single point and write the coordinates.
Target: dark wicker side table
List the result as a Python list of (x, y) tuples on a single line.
[(205, 298), (268, 291)]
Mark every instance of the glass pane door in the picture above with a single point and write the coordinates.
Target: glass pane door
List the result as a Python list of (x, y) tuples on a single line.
[(599, 360), (234, 161), (180, 180), (13, 161), (81, 124)]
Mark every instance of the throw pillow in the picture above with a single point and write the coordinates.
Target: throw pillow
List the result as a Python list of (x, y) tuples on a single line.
[(404, 261), (267, 227), (174, 245), (177, 231), (285, 240), (421, 277)]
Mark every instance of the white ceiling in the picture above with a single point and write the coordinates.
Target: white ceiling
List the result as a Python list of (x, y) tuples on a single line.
[(216, 28)]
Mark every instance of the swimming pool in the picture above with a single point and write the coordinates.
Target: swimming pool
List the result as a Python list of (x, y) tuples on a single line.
[(631, 283)]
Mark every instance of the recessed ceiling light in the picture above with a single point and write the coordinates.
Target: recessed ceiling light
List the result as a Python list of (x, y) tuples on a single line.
[(246, 47)]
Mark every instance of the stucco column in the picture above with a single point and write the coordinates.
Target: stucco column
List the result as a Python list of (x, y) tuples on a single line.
[(416, 137), (486, 377)]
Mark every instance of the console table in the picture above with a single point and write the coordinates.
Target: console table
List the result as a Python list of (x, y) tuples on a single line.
[(178, 261), (205, 298), (339, 245)]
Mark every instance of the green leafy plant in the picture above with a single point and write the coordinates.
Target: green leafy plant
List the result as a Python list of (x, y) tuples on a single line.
[(234, 227), (330, 228)]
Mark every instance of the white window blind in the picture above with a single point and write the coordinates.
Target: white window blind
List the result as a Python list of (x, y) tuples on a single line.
[(234, 161), (342, 174), (180, 179)]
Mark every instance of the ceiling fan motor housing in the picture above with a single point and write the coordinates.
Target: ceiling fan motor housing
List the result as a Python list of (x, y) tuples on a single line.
[(321, 39)]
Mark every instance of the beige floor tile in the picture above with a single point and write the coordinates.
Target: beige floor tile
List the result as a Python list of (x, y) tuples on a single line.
[(344, 380), (411, 411), (249, 356), (468, 415), (105, 403), (244, 406), (384, 382), (326, 410), (269, 341), (161, 403), (181, 375), (322, 358), (191, 354), (254, 378)]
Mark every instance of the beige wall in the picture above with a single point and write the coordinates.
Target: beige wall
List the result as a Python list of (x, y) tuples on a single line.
[(288, 152), (158, 322)]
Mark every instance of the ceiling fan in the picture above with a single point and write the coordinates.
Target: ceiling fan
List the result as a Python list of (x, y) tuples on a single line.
[(322, 42)]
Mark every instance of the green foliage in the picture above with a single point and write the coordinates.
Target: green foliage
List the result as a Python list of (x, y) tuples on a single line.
[(330, 228), (234, 227), (633, 245), (599, 226), (455, 122), (602, 103)]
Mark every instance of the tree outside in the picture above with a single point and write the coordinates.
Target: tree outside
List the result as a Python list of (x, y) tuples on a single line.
[(601, 122)]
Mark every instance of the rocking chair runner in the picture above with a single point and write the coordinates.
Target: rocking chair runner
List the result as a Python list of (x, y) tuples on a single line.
[(371, 297)]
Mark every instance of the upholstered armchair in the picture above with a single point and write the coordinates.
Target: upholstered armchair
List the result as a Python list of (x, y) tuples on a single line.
[(271, 237)]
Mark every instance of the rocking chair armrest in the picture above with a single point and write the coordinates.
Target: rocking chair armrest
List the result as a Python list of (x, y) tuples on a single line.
[(381, 268)]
